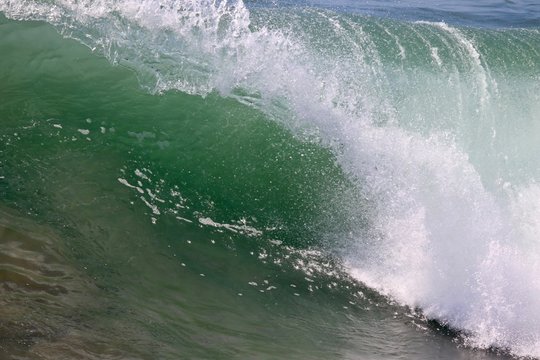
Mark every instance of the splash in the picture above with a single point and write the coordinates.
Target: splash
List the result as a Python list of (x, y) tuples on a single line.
[(413, 119)]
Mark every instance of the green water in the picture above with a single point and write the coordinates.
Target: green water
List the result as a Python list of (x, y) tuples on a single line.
[(139, 222), (133, 289)]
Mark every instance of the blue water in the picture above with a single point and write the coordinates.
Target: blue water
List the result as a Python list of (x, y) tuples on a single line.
[(492, 14)]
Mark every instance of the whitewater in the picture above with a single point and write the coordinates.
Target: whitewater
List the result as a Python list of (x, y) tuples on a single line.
[(434, 122)]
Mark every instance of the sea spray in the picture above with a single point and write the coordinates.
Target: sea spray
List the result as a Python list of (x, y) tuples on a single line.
[(415, 113)]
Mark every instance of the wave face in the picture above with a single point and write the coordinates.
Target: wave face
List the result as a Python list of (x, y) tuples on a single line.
[(412, 158)]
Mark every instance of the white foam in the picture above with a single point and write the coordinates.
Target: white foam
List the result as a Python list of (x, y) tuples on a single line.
[(243, 228), (440, 239)]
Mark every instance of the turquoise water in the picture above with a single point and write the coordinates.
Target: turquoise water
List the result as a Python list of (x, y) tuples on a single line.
[(306, 180)]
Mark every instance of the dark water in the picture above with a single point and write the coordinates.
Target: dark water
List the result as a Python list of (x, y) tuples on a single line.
[(303, 180)]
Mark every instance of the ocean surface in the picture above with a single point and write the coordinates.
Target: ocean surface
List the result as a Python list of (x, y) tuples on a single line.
[(267, 179)]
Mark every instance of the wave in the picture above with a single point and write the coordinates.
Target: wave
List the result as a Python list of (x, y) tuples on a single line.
[(433, 124)]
